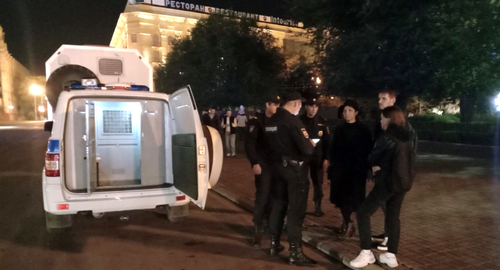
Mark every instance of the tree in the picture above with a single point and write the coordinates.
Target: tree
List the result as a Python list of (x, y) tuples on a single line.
[(227, 62), (370, 45), (442, 48), (466, 50)]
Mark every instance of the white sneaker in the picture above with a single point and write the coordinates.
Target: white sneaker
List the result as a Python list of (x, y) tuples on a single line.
[(383, 245), (228, 155), (389, 259), (364, 258)]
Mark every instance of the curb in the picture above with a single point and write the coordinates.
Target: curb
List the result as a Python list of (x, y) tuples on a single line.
[(308, 237)]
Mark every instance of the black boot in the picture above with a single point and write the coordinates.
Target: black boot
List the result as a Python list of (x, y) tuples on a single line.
[(317, 209), (257, 236), (276, 247), (297, 256)]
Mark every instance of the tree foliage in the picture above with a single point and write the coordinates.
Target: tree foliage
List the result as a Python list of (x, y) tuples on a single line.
[(227, 62), (441, 48)]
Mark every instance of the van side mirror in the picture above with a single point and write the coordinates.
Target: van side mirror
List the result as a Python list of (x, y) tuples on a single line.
[(48, 126)]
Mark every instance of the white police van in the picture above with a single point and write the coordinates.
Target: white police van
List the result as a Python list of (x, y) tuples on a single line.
[(115, 145)]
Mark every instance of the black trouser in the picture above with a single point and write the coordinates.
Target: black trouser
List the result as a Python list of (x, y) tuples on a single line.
[(316, 171), (378, 197), (291, 190), (263, 195)]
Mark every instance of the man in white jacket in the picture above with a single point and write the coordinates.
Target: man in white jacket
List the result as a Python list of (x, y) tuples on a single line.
[(229, 126)]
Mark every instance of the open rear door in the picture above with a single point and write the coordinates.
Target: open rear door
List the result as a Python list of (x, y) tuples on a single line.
[(189, 150)]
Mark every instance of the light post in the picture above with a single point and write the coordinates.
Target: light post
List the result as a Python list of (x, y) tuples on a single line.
[(35, 90)]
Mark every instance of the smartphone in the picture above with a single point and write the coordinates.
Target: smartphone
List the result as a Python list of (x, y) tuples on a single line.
[(315, 140)]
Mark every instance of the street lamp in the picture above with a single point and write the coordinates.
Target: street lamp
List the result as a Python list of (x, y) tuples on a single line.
[(497, 103), (35, 90)]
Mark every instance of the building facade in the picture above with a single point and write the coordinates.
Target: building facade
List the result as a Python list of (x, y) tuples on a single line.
[(13, 77), (152, 26)]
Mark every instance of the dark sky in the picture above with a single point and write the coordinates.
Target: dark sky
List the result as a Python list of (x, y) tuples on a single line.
[(34, 29)]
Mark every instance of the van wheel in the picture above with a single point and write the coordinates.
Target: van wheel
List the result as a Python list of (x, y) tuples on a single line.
[(63, 77), (57, 223)]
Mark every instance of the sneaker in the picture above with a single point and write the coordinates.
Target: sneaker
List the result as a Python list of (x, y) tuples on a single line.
[(379, 237), (389, 259), (364, 258), (228, 154), (383, 245), (234, 155)]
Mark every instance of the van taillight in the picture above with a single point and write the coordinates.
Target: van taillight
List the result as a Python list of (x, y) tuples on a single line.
[(51, 164)]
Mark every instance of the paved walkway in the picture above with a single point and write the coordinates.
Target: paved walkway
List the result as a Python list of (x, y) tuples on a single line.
[(449, 220)]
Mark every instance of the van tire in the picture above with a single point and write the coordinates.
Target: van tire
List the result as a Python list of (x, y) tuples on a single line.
[(62, 77), (57, 223)]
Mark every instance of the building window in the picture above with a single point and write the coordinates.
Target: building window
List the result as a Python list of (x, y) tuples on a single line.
[(171, 40), (156, 56), (156, 41), (133, 38)]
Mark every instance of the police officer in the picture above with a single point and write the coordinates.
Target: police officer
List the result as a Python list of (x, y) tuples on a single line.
[(317, 129), (259, 154), (291, 148)]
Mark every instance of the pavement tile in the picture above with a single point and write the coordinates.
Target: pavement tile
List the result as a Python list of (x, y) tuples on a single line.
[(449, 220)]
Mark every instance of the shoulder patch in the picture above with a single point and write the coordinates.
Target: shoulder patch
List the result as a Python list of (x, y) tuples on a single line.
[(271, 129), (304, 131)]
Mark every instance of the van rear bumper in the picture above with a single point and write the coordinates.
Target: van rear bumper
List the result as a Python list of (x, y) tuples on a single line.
[(54, 195)]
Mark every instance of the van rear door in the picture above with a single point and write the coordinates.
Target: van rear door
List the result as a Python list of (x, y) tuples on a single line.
[(189, 155)]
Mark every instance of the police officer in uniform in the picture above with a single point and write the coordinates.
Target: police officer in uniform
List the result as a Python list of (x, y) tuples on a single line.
[(291, 149), (317, 129), (259, 154)]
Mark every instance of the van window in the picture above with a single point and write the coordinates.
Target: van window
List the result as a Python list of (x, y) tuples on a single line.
[(124, 140)]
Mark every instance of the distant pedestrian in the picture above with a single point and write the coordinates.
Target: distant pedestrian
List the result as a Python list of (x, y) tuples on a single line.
[(351, 145), (228, 124), (392, 160), (241, 121), (317, 129), (211, 119), (258, 151), (291, 148)]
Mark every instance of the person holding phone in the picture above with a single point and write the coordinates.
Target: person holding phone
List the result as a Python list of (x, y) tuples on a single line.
[(348, 155), (317, 129)]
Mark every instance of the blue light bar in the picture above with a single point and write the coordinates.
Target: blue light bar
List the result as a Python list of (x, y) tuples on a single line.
[(77, 86), (139, 88)]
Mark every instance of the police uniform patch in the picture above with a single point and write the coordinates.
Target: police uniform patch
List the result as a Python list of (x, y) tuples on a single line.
[(251, 128), (304, 131), (320, 133)]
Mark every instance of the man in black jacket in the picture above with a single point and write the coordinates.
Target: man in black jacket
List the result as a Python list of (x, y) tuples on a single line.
[(211, 119), (258, 152), (387, 98), (317, 129), (291, 148)]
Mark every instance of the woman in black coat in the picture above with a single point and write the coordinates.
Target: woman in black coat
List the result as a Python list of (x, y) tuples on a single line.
[(392, 161), (351, 145)]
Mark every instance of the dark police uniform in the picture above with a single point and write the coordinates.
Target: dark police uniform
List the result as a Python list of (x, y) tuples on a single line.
[(317, 128), (259, 152), (291, 148)]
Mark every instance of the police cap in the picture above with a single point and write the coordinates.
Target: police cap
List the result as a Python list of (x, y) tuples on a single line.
[(289, 96), (273, 98), (312, 101)]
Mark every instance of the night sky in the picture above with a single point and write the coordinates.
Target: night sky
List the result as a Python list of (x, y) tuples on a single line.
[(34, 29)]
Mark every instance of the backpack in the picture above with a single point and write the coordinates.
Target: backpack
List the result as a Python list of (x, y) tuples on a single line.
[(403, 167)]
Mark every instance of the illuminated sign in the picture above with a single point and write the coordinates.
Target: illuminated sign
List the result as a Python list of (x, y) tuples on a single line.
[(212, 10)]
